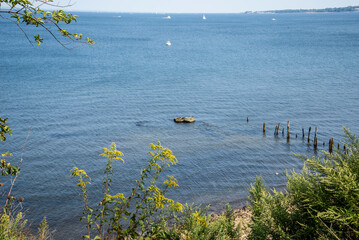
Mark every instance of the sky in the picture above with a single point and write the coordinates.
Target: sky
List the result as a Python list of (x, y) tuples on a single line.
[(201, 6)]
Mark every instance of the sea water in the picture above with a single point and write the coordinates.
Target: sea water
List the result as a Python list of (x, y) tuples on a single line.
[(127, 89)]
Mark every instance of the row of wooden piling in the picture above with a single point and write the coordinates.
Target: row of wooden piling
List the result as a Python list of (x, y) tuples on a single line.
[(315, 143)]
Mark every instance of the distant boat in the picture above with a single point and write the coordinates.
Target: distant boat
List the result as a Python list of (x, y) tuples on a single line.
[(168, 43), (168, 17), (273, 19), (204, 17)]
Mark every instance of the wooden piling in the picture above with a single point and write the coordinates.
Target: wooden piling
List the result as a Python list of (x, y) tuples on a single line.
[(310, 129), (296, 135), (338, 146), (303, 132), (276, 131), (283, 131), (264, 127), (315, 139), (288, 133), (331, 141), (247, 119)]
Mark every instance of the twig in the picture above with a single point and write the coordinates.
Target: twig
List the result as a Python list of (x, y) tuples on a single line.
[(13, 181), (330, 230), (27, 37)]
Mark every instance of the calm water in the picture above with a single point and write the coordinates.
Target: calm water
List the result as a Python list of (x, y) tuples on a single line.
[(301, 68)]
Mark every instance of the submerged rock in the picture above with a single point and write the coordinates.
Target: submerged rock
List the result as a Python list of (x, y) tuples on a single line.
[(184, 120)]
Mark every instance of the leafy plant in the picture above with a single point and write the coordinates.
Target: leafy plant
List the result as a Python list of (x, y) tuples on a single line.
[(31, 13), (197, 224), (322, 202), (12, 228), (142, 214), (4, 129), (43, 232)]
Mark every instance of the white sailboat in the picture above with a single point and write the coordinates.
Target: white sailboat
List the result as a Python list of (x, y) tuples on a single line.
[(168, 17), (204, 17), (168, 43)]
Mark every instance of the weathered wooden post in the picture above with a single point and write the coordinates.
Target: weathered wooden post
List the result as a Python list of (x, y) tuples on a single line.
[(310, 129), (276, 131), (283, 131), (296, 135), (288, 133), (247, 119), (331, 141), (303, 132), (345, 150), (264, 127), (315, 139), (338, 146)]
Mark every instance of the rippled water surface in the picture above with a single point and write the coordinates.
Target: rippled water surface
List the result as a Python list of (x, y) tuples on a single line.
[(302, 68)]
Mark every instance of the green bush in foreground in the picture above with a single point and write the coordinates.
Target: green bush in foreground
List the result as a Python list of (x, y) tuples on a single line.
[(144, 213), (322, 202), (196, 224)]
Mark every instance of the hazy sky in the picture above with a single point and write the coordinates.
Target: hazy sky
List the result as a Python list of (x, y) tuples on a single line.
[(202, 6)]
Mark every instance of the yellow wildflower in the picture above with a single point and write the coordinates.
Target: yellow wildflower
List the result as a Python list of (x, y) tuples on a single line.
[(171, 182)]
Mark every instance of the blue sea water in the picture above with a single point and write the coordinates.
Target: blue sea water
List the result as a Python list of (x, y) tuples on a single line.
[(301, 68)]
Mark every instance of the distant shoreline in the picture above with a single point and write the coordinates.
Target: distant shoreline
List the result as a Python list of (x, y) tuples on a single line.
[(325, 10)]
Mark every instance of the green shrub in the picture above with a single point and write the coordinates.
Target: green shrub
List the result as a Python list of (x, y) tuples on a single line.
[(195, 224), (144, 213), (12, 228), (321, 202)]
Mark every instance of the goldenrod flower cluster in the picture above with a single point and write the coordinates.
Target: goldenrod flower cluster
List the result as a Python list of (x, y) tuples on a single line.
[(112, 153), (81, 174), (163, 154), (171, 182), (178, 207), (161, 201), (199, 219), (158, 197), (117, 196)]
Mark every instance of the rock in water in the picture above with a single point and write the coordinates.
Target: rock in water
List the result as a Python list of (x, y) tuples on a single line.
[(184, 120)]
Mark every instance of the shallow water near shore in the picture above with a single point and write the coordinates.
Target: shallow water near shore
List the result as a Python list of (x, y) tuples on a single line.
[(128, 88)]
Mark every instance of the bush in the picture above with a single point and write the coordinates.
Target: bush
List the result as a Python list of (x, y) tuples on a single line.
[(196, 224), (321, 202), (144, 213)]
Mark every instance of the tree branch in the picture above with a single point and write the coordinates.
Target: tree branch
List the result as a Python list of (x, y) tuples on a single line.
[(34, 15), (27, 37)]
